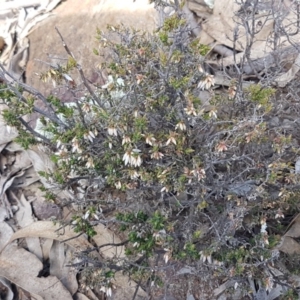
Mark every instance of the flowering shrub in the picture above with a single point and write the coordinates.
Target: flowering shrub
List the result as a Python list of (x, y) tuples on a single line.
[(205, 183)]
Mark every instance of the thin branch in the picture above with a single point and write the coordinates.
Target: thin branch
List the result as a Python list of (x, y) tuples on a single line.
[(72, 238), (33, 92), (137, 288), (32, 131), (106, 245), (79, 68)]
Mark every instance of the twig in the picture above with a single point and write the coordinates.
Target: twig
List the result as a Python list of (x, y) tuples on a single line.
[(33, 92), (72, 238), (31, 130), (105, 245), (137, 289), (79, 68)]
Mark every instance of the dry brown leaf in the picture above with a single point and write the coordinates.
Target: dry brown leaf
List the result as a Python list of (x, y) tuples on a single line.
[(24, 218), (3, 163), (91, 295), (3, 214), (105, 236), (126, 288), (217, 26), (6, 233), (294, 230), (21, 161), (24, 214), (22, 268), (285, 78), (223, 23), (79, 296), (14, 147), (47, 230), (7, 134), (41, 162), (5, 183), (28, 177), (289, 246), (2, 146), (9, 295), (24, 295), (60, 256), (46, 245)]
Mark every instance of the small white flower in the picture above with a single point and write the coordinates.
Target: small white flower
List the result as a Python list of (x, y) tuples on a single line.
[(62, 153), (172, 139), (127, 158), (120, 82), (209, 259), (198, 173), (136, 113), (92, 135), (89, 136), (231, 92), (139, 78), (112, 130), (136, 244), (118, 185), (164, 189), (205, 257), (58, 144), (96, 217), (109, 292), (126, 140), (221, 146), (75, 146), (86, 215), (156, 155), (269, 284), (86, 107), (213, 114), (279, 214), (181, 126), (207, 82), (159, 235), (265, 238), (132, 157), (150, 139), (136, 161), (218, 263), (134, 174), (167, 255), (263, 224), (72, 174), (190, 110), (90, 163), (200, 68)]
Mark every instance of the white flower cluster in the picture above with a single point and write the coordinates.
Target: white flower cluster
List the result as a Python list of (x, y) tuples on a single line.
[(207, 82), (133, 158)]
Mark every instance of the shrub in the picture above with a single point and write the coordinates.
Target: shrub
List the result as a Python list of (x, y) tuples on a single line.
[(203, 183)]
